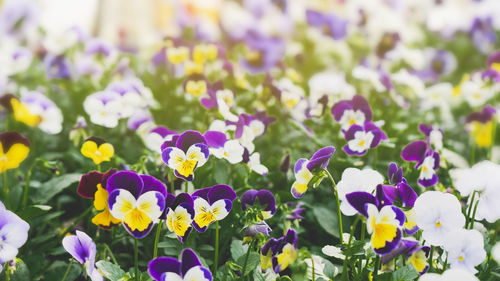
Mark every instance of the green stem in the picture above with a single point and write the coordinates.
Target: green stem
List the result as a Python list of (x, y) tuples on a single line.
[(375, 154), (27, 186), (377, 265), (67, 270), (339, 214), (136, 259), (78, 219), (224, 278), (312, 264), (5, 189), (430, 258), (351, 234), (186, 188), (246, 259), (469, 210), (216, 254), (157, 238), (473, 218), (106, 247)]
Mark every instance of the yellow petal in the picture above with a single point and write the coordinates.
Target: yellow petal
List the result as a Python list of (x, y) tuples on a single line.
[(104, 219), (89, 149), (137, 220), (100, 198), (107, 151), (16, 154)]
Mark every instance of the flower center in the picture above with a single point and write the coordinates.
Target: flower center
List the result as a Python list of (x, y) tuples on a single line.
[(461, 258), (438, 224)]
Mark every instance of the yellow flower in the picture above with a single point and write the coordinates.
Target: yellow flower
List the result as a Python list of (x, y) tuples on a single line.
[(23, 114), (482, 133), (193, 68), (204, 52), (103, 219), (196, 88), (97, 149), (177, 55), (14, 148)]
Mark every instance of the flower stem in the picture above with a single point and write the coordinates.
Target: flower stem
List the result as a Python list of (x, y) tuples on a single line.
[(430, 258), (67, 270), (99, 168), (339, 214), (106, 247), (136, 259), (186, 188), (246, 259), (27, 186), (78, 219), (377, 265), (157, 238), (5, 189), (312, 264), (216, 254), (471, 223), (469, 210)]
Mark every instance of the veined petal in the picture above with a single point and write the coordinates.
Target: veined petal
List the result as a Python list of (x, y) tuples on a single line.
[(221, 208), (121, 202), (160, 265), (151, 203), (198, 152), (203, 214), (298, 189), (172, 156)]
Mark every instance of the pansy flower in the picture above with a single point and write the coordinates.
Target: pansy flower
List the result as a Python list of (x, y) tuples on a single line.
[(97, 149), (84, 250), (304, 169), (384, 221), (14, 148), (356, 111), (156, 137), (137, 200), (187, 269), (493, 64), (262, 53), (265, 199), (266, 253), (221, 147), (361, 138), (104, 108), (415, 254), (196, 85), (465, 249), (212, 204), (480, 126), (179, 215), (184, 153), (329, 23), (285, 252), (13, 234), (93, 186)]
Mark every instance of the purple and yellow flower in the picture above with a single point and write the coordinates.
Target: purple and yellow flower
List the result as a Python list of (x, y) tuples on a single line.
[(84, 250), (305, 169), (263, 52), (180, 214), (97, 149), (266, 201), (329, 23), (427, 161), (361, 138), (285, 252), (184, 153), (415, 254), (14, 148), (481, 125), (171, 269), (93, 186), (356, 111), (384, 221), (137, 200), (212, 204), (13, 234)]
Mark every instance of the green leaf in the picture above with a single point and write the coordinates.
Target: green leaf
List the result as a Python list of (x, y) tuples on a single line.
[(238, 249), (252, 262), (53, 187), (110, 270), (22, 273), (406, 273), (327, 219), (34, 211), (58, 269)]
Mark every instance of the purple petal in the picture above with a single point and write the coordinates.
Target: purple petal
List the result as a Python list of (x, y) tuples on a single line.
[(384, 195), (88, 184), (359, 199), (429, 182), (221, 191), (320, 158), (408, 195), (347, 150), (339, 108), (266, 198), (414, 151), (188, 260), (127, 180), (152, 184), (248, 198), (73, 246), (349, 134), (189, 138), (359, 102), (203, 193), (215, 139), (299, 164), (400, 215), (136, 233), (161, 265)]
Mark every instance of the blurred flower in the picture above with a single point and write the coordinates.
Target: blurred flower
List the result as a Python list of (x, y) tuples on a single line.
[(188, 268), (13, 234), (262, 52), (83, 249), (184, 153), (450, 274), (97, 149), (438, 215), (137, 200), (104, 108), (480, 126), (304, 169), (212, 204), (329, 23)]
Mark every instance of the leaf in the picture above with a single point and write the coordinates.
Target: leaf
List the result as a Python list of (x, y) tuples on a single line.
[(53, 187), (221, 172), (238, 249), (252, 262), (406, 273), (327, 219), (34, 211), (58, 269), (22, 272), (110, 270)]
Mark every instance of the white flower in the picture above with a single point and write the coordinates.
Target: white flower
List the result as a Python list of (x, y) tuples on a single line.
[(367, 74), (465, 249), (352, 117), (232, 151), (437, 95), (104, 108), (254, 164), (436, 139), (354, 179), (58, 43), (412, 82), (475, 92), (331, 84), (449, 275), (361, 142), (427, 168), (438, 214)]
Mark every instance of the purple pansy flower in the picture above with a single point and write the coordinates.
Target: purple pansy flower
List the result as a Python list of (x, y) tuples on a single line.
[(171, 269), (57, 67), (212, 204), (384, 221), (184, 153), (285, 251), (137, 200), (361, 138), (83, 249), (179, 215), (416, 254), (304, 169), (329, 23), (356, 111), (211, 100), (266, 201), (264, 52), (13, 234)]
